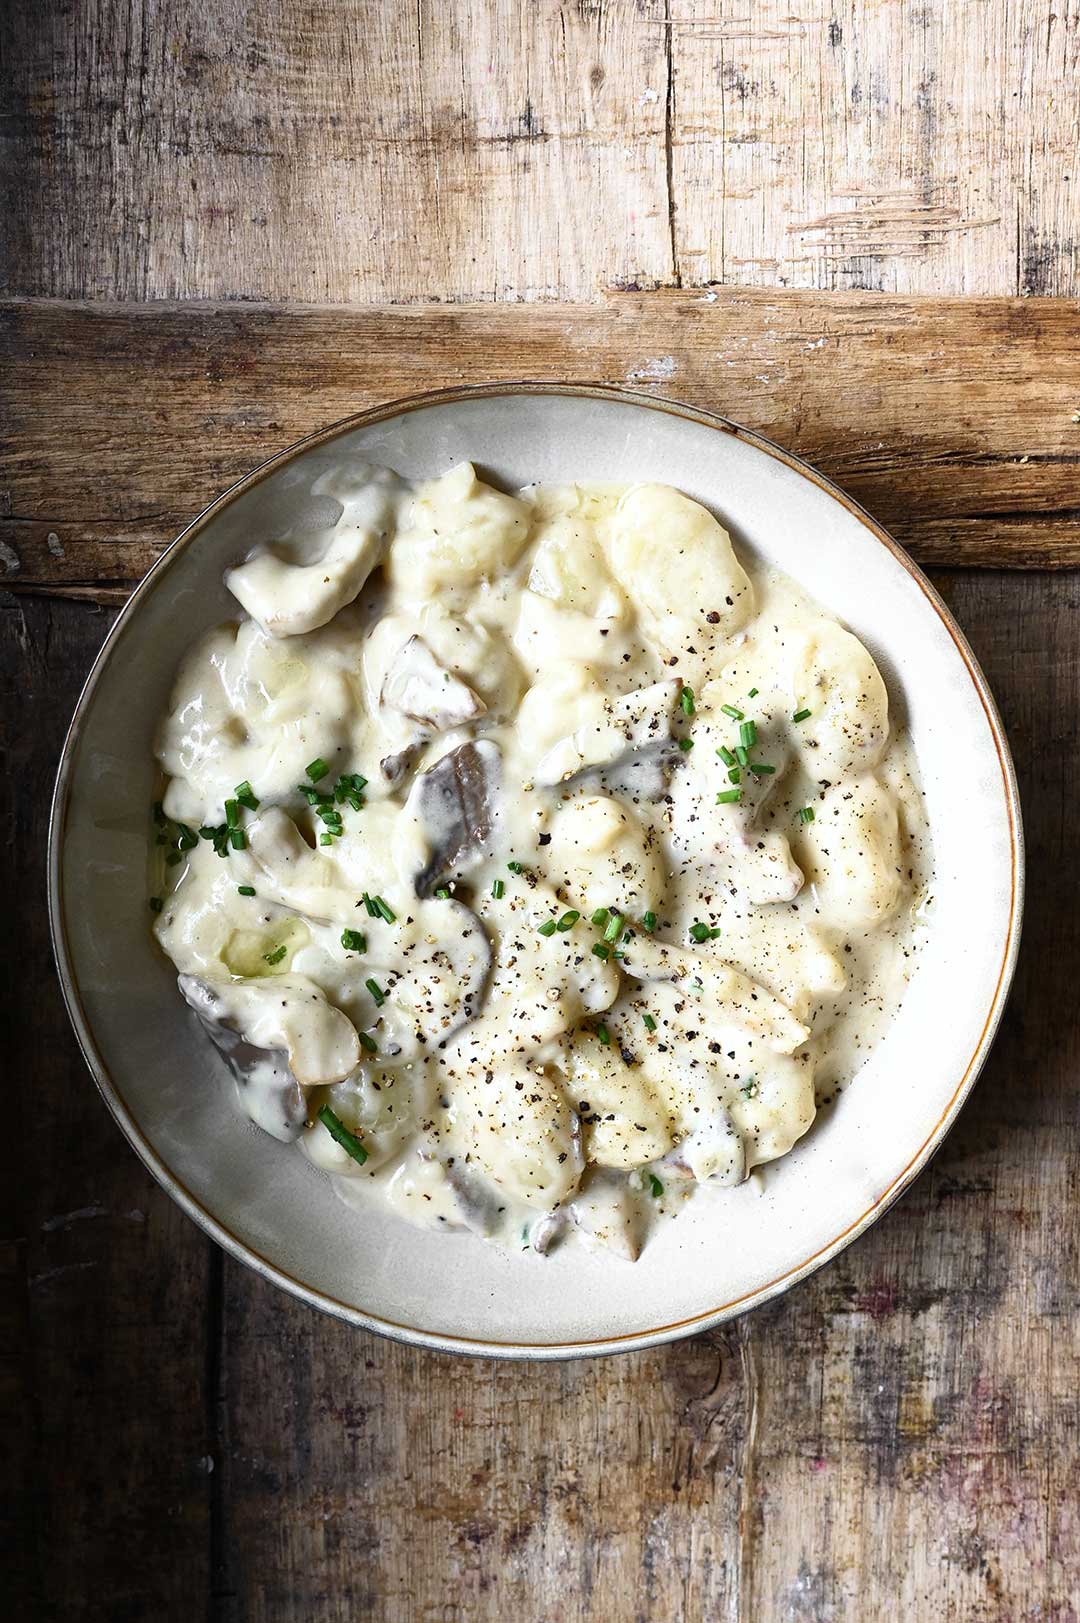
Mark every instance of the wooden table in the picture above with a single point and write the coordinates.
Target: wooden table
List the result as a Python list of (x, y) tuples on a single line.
[(688, 198)]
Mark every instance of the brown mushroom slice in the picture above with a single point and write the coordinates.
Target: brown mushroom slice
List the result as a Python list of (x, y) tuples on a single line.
[(288, 1014), (455, 807)]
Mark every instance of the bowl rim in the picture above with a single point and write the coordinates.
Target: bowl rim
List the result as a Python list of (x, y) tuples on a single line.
[(443, 1341)]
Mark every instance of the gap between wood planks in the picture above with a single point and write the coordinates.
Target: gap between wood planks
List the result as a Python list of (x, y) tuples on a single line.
[(955, 422)]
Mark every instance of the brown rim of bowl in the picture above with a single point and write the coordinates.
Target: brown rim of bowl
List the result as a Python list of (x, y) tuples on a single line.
[(445, 1341)]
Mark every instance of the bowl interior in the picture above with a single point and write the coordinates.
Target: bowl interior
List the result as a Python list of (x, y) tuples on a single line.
[(263, 1200)]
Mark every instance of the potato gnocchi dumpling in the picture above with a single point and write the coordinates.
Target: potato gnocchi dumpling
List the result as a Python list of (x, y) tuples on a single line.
[(529, 859)]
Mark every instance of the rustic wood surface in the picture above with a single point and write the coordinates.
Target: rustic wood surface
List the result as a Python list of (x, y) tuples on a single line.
[(898, 1438), (354, 149), (956, 421)]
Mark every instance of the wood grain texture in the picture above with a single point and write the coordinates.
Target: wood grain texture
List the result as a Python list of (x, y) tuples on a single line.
[(483, 149), (895, 1439), (953, 421)]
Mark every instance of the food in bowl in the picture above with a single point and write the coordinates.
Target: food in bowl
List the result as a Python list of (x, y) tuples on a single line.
[(533, 860)]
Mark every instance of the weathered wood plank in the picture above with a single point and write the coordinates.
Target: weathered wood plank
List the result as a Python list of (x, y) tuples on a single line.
[(954, 421), (897, 1438), (482, 149), (107, 1431)]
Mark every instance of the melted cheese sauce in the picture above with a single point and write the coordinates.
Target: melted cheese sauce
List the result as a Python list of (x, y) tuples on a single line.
[(636, 919)]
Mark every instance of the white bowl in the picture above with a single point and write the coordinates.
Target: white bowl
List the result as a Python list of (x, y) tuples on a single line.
[(266, 1204)]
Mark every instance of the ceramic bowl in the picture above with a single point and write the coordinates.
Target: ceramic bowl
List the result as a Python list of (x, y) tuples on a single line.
[(265, 1203)]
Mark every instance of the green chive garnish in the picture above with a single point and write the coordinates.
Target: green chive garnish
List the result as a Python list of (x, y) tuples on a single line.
[(376, 991), (730, 710), (648, 921), (237, 839), (207, 833), (245, 890), (232, 814), (568, 920), (245, 794), (614, 925), (748, 733), (650, 1023), (442, 894), (367, 1042), (726, 756), (355, 801), (760, 769), (750, 1088), (729, 797), (156, 904), (188, 839), (801, 715), (686, 701), (600, 951), (700, 932), (655, 1186), (548, 927), (340, 1133), (604, 1035), (742, 755), (600, 917), (373, 911), (806, 814), (316, 769), (353, 941), (276, 956), (310, 795), (326, 839), (686, 745), (498, 889), (735, 775), (384, 910), (515, 867), (752, 694)]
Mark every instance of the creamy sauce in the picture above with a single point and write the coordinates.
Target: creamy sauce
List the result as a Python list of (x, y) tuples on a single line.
[(636, 878)]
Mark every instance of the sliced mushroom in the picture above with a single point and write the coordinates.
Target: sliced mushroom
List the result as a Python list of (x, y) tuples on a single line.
[(455, 807), (287, 1014)]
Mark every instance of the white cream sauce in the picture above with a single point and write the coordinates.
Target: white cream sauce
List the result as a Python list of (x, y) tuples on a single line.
[(537, 689)]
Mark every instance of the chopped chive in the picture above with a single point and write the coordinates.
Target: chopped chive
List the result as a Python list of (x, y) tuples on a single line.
[(604, 1035), (384, 910), (353, 941), (656, 1188), (648, 921), (515, 867), (188, 839), (442, 894), (801, 715), (760, 769), (207, 833), (373, 911), (339, 792), (156, 904), (749, 1089), (714, 933), (748, 733), (498, 889), (358, 781), (327, 814), (237, 839), (276, 956), (729, 797), (726, 756), (806, 814), (568, 920), (730, 710), (752, 694), (600, 951), (245, 890), (735, 775), (600, 917), (686, 701), (742, 755), (355, 801), (650, 1023), (700, 932), (341, 1135), (367, 1042), (326, 839), (316, 769), (158, 811), (548, 927), (310, 795), (173, 858), (232, 814), (376, 991), (686, 745), (245, 794), (614, 925)]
